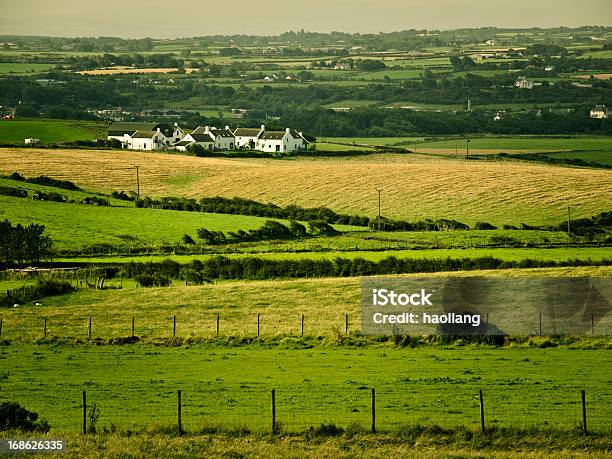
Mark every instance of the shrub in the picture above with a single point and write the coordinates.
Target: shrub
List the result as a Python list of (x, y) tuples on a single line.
[(51, 196), (187, 239), (484, 226), (15, 417), (95, 201), (324, 430), (155, 280), (14, 192), (41, 289)]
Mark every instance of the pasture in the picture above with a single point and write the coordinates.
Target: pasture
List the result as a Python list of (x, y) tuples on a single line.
[(14, 68), (50, 131), (229, 387), (414, 187), (323, 301), (518, 144)]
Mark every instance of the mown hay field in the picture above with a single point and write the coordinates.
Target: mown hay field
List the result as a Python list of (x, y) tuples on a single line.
[(414, 187)]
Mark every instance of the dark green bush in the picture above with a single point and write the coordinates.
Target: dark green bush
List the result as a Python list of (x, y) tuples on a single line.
[(484, 226), (15, 417)]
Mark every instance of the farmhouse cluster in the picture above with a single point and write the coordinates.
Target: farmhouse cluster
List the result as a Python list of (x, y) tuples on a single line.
[(161, 136)]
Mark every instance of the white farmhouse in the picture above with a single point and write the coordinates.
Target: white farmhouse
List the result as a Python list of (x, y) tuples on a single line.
[(145, 136), (247, 137), (281, 141), (600, 112), (200, 136), (224, 138), (523, 83)]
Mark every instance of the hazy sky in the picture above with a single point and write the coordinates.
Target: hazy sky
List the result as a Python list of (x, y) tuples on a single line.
[(187, 18)]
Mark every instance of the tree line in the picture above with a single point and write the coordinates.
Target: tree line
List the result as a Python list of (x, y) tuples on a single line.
[(254, 268)]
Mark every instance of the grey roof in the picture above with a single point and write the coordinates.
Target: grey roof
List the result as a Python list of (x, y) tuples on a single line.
[(121, 128), (273, 135), (247, 132), (202, 138), (144, 134), (297, 135), (183, 143), (222, 133)]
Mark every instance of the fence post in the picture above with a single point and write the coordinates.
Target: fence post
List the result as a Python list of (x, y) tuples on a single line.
[(174, 326), (373, 410), (273, 411), (258, 325), (89, 329), (346, 324), (0, 327), (540, 324), (180, 423), (45, 328), (217, 325), (84, 412), (482, 413), (302, 325), (132, 326), (584, 414), (592, 324)]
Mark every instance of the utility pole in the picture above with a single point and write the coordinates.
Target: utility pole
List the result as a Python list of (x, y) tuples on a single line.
[(137, 181), (569, 216), (379, 192), (467, 147)]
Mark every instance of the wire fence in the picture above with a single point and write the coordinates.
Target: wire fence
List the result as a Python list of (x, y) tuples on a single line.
[(296, 409), (24, 326)]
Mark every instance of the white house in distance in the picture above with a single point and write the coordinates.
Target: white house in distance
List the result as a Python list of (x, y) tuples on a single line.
[(224, 138), (145, 136), (200, 136), (523, 83), (280, 141), (247, 137), (600, 112)]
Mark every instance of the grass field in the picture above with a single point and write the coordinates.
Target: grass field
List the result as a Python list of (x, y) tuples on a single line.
[(324, 302), (50, 132), (412, 442), (414, 187), (231, 386), (74, 226), (506, 254), (18, 68), (601, 157), (521, 144)]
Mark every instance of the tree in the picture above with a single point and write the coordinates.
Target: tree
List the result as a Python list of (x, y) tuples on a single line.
[(368, 65)]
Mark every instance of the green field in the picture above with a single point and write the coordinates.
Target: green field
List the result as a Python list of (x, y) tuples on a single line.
[(390, 141), (75, 226), (17, 68), (601, 157), (525, 143), (231, 386), (50, 132), (506, 254)]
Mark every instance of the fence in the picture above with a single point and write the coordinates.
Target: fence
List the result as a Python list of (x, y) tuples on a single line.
[(296, 409), (25, 326), (28, 327)]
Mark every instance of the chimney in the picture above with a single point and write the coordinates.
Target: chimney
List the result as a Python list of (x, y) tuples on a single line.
[(263, 127), (227, 128), (206, 129), (288, 130)]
